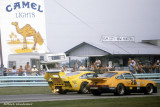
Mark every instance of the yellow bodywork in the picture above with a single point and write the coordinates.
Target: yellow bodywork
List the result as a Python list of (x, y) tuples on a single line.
[(113, 81), (66, 82)]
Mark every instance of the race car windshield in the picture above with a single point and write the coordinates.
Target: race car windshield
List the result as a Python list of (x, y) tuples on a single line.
[(108, 75)]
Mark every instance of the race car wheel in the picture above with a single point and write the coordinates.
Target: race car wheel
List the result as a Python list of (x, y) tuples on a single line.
[(149, 89), (83, 88), (96, 93), (120, 90)]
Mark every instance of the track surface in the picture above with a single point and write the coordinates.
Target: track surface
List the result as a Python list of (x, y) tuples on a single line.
[(56, 97)]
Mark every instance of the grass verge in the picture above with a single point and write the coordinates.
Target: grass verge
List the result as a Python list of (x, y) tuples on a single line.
[(113, 102), (24, 90)]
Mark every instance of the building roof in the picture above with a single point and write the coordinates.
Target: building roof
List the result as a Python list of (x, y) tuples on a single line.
[(124, 48), (30, 53)]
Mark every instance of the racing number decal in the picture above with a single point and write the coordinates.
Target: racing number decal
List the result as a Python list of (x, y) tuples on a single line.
[(133, 82)]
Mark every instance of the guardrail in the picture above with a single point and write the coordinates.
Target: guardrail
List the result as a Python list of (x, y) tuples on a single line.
[(9, 81), (149, 76)]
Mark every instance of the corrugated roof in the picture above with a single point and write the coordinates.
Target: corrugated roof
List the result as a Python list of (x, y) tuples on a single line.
[(124, 47)]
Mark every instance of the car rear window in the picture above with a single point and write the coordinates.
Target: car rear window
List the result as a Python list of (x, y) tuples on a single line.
[(108, 75)]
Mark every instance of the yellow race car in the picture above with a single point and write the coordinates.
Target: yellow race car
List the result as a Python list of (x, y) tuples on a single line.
[(120, 83), (63, 82)]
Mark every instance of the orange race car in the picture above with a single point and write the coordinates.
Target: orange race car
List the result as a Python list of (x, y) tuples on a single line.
[(120, 83)]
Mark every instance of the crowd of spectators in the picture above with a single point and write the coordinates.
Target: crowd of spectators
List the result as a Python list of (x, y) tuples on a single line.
[(27, 71), (95, 66), (136, 66)]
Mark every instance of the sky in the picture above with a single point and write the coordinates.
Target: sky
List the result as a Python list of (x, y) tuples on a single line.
[(70, 22)]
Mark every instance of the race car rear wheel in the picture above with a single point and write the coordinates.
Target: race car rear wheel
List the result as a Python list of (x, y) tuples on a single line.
[(149, 89), (83, 88), (120, 90), (96, 93)]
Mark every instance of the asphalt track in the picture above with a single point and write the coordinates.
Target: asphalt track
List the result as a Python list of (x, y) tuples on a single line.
[(57, 97)]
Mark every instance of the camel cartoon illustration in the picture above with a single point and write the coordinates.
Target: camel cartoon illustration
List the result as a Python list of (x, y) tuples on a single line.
[(28, 31)]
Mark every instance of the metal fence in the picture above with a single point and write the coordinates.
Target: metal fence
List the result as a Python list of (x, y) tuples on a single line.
[(149, 76), (8, 81)]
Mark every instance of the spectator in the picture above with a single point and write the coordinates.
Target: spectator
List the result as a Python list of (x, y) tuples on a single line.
[(5, 72), (97, 62), (92, 67), (97, 69), (137, 68), (14, 71), (73, 69), (129, 62), (64, 68), (27, 69), (103, 69), (149, 68), (140, 67), (82, 68), (89, 68), (34, 71), (76, 65), (132, 67), (109, 68), (20, 71), (157, 67), (134, 63)]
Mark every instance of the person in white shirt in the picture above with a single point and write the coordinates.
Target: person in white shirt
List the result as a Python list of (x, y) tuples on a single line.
[(14, 71), (108, 67), (34, 70), (82, 68), (97, 62)]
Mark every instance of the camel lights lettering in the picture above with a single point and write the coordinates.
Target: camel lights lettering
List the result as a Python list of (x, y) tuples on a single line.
[(19, 5)]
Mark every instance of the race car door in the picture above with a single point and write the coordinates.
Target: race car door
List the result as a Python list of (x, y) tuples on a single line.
[(131, 82)]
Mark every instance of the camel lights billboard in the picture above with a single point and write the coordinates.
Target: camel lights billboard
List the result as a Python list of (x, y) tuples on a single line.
[(22, 27)]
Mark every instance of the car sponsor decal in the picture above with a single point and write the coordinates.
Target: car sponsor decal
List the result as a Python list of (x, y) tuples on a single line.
[(75, 85), (138, 85)]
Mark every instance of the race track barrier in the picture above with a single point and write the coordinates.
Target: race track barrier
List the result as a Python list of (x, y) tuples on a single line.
[(149, 76), (11, 81)]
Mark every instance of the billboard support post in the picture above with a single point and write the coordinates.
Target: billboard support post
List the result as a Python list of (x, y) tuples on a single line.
[(1, 68)]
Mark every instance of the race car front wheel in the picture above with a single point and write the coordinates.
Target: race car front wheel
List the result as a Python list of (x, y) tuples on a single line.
[(149, 89), (120, 90)]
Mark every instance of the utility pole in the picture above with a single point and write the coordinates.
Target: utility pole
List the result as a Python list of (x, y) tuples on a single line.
[(1, 69)]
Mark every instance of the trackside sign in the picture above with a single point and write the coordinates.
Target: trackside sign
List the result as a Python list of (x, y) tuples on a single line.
[(22, 27), (118, 38), (23, 4)]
